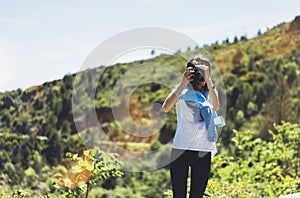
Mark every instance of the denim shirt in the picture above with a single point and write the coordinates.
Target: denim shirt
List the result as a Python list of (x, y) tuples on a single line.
[(202, 111)]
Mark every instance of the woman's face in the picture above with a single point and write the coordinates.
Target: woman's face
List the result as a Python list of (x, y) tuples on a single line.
[(197, 85)]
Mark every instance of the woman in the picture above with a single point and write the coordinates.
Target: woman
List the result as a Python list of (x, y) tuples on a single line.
[(195, 98)]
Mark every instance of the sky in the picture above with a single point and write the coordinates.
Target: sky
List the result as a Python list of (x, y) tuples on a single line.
[(42, 41)]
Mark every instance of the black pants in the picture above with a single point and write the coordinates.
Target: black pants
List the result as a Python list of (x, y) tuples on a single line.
[(200, 169)]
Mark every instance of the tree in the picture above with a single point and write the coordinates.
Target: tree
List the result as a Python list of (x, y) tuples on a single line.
[(244, 38), (235, 40), (31, 177), (86, 170), (226, 41), (259, 33), (152, 52), (54, 151)]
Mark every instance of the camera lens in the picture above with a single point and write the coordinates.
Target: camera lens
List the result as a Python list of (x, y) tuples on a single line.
[(198, 75), (189, 64)]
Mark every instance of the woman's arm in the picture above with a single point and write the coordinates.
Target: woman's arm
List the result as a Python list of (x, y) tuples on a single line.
[(213, 95), (171, 100)]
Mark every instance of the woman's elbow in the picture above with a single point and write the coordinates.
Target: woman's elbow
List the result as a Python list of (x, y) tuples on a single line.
[(165, 109), (216, 107)]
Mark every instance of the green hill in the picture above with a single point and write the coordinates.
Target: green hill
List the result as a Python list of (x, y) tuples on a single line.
[(257, 73), (262, 87)]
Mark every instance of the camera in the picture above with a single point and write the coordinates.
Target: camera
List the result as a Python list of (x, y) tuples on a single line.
[(199, 75)]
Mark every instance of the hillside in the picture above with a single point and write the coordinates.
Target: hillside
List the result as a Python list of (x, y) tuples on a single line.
[(262, 86), (254, 71)]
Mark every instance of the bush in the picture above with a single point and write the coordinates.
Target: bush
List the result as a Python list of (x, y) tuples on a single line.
[(257, 168)]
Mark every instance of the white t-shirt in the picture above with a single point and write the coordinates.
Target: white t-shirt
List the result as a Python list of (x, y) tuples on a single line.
[(191, 134)]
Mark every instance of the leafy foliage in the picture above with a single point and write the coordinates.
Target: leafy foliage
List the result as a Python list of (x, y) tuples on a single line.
[(261, 77), (256, 168), (91, 168)]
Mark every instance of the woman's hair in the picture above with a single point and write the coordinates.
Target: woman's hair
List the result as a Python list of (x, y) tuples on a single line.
[(198, 60)]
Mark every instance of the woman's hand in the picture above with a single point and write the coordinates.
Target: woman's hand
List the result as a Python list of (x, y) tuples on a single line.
[(172, 98), (206, 70), (212, 92), (188, 75), (207, 78)]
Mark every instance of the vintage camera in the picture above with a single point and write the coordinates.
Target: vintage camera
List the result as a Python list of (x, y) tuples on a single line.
[(199, 74)]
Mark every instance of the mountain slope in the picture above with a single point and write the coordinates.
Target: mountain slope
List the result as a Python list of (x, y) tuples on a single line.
[(261, 77)]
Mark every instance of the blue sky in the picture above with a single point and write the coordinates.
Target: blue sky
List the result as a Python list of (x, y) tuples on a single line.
[(44, 40)]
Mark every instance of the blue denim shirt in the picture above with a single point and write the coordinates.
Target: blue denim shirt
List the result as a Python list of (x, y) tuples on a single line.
[(202, 111)]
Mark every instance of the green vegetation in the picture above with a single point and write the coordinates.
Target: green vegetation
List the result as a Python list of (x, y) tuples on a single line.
[(256, 168), (42, 154)]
